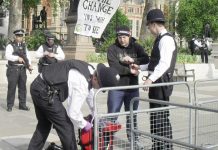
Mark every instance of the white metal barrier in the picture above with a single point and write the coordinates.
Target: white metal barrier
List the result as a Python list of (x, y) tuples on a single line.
[(117, 139), (179, 144), (206, 129)]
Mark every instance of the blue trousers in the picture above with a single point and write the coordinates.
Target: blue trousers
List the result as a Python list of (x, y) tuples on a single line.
[(114, 103)]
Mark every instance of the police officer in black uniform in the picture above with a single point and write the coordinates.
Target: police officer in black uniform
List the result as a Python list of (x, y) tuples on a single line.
[(18, 61), (73, 80), (49, 52), (160, 69)]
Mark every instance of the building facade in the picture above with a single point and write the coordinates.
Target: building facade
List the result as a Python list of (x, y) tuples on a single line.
[(134, 11)]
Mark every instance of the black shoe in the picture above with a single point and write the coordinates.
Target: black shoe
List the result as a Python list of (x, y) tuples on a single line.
[(9, 109), (24, 108)]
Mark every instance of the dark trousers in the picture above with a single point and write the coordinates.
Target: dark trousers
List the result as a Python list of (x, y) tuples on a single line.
[(118, 97), (16, 75), (48, 115), (204, 56), (159, 121)]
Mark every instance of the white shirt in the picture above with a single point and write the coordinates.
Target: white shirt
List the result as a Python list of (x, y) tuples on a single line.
[(78, 92), (9, 54), (59, 56), (198, 43), (166, 47)]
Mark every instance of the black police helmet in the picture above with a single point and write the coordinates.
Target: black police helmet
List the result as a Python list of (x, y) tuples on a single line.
[(107, 76), (155, 15)]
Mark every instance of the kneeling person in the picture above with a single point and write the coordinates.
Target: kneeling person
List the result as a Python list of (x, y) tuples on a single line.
[(73, 80)]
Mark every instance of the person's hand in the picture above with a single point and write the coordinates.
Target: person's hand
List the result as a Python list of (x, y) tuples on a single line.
[(127, 60), (51, 55), (87, 127), (134, 71), (135, 66), (148, 81), (20, 60), (30, 68), (46, 53)]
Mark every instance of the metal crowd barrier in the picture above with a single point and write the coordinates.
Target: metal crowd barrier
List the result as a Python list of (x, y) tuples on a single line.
[(206, 123), (117, 139), (203, 120), (180, 144)]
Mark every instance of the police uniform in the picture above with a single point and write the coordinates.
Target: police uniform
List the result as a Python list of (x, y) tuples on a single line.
[(16, 72), (71, 80), (46, 60), (161, 68)]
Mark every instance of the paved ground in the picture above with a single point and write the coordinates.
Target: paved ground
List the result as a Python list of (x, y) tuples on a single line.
[(17, 127)]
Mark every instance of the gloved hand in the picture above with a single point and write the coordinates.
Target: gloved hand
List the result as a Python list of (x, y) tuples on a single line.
[(88, 126)]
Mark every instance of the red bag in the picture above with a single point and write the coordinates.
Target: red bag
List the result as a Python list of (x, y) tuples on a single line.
[(105, 135)]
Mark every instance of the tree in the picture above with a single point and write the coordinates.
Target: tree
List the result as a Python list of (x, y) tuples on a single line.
[(148, 5), (109, 34), (193, 16), (15, 16)]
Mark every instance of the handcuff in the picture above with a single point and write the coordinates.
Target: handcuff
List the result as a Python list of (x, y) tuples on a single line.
[(144, 78)]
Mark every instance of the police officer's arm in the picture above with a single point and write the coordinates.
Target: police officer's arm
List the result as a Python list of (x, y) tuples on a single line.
[(196, 42), (166, 47), (9, 53), (78, 92), (40, 52), (89, 100), (60, 54)]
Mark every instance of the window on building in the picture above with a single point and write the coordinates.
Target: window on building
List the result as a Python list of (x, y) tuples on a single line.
[(137, 28), (130, 21), (23, 22), (1, 22), (130, 10), (137, 10)]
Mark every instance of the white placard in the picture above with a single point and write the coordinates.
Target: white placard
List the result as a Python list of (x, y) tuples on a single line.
[(94, 15)]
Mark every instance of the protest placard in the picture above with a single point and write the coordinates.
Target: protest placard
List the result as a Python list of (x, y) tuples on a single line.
[(94, 15)]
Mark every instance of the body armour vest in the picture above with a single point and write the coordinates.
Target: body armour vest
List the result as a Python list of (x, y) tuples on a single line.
[(168, 75), (19, 50), (48, 60), (56, 75), (155, 56)]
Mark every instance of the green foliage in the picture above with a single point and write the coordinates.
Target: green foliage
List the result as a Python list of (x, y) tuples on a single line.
[(147, 44), (102, 58), (109, 34), (183, 50), (194, 14), (28, 4), (35, 39), (184, 58), (97, 57), (3, 43), (103, 48)]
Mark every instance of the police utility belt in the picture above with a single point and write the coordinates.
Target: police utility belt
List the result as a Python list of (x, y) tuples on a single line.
[(20, 66), (51, 91)]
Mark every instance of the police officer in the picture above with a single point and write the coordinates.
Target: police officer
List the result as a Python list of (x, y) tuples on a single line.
[(49, 52), (73, 80), (18, 61), (160, 68)]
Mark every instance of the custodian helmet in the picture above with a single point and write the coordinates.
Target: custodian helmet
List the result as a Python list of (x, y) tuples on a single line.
[(155, 15)]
